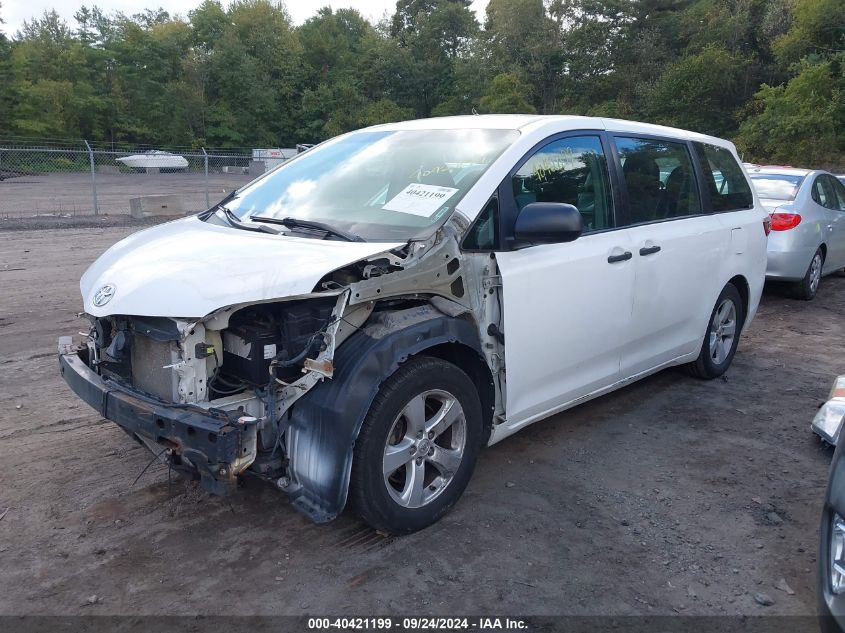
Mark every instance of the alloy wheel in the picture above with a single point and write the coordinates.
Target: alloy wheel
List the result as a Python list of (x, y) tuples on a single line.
[(424, 448), (815, 272), (722, 331)]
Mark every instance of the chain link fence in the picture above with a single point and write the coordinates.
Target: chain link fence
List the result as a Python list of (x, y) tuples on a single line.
[(65, 179)]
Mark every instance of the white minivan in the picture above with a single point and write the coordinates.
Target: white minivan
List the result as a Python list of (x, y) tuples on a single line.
[(356, 324)]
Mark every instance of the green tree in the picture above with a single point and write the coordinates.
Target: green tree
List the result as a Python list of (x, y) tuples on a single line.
[(255, 77), (55, 77), (700, 92), (436, 35), (524, 41), (506, 95), (8, 94), (471, 75), (334, 44), (337, 108), (148, 82), (801, 123), (818, 28), (208, 24), (242, 74)]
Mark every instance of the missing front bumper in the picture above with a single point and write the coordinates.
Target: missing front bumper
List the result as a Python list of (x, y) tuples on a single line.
[(214, 445)]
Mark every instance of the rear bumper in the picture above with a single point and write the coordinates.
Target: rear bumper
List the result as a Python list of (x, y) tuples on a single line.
[(788, 261), (212, 444), (788, 266)]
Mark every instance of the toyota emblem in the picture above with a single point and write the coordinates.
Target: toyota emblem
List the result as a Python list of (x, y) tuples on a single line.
[(104, 295)]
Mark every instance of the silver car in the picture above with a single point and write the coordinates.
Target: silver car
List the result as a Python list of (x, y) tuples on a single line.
[(807, 240)]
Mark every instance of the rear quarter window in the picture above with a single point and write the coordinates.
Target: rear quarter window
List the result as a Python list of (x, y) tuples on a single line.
[(724, 178)]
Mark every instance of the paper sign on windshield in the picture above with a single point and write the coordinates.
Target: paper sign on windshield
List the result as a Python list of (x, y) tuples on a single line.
[(418, 199)]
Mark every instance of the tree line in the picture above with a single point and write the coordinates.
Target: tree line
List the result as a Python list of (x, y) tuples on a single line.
[(769, 74)]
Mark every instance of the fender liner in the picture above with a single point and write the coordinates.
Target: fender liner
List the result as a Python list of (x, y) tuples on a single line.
[(325, 423)]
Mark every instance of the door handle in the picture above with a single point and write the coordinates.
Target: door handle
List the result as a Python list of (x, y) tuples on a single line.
[(612, 259), (649, 250)]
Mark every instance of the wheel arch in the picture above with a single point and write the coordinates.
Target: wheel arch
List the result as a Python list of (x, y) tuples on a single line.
[(741, 284), (323, 425), (473, 365)]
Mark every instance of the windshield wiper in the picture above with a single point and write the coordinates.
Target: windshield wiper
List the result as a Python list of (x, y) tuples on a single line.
[(204, 215), (296, 223), (235, 221)]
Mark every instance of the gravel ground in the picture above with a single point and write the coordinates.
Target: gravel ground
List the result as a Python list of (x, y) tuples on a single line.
[(70, 194), (671, 496)]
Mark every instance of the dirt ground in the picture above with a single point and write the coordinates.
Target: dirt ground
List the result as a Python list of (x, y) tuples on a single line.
[(671, 496)]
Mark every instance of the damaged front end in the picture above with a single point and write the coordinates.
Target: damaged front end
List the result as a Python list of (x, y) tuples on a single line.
[(201, 393), (279, 388)]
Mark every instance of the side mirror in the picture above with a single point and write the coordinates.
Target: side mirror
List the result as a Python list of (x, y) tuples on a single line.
[(548, 223)]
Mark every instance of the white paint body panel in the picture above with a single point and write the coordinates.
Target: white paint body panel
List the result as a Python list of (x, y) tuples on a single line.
[(565, 320), (189, 268), (577, 326), (675, 289)]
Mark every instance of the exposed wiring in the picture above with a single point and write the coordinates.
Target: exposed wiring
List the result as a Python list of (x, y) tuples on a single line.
[(271, 391), (155, 457), (233, 388), (229, 392)]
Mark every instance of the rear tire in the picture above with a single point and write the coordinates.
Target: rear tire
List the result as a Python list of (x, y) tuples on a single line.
[(807, 288), (722, 336), (417, 447)]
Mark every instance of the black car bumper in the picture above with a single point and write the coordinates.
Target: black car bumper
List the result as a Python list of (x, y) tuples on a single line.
[(214, 445)]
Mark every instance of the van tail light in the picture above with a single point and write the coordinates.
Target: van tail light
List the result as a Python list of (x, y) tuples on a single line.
[(767, 224), (785, 221)]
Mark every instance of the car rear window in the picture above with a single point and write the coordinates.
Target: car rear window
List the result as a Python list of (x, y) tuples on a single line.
[(724, 178), (776, 186)]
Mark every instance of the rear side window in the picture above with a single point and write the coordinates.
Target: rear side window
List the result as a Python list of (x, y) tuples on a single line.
[(839, 190), (659, 179), (820, 193), (827, 194), (724, 178)]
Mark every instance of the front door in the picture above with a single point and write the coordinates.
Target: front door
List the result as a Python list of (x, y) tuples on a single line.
[(566, 306)]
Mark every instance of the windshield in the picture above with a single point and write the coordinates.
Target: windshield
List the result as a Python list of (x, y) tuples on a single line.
[(776, 186), (379, 185)]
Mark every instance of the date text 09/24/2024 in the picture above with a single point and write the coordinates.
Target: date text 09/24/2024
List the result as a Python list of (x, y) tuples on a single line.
[(417, 623)]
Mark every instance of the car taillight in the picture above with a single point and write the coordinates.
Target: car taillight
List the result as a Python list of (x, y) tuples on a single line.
[(785, 221), (767, 224)]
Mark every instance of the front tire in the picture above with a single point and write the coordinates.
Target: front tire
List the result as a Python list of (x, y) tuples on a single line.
[(807, 288), (417, 447), (722, 337)]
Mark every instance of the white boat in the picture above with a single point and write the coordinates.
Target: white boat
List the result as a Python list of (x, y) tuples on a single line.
[(154, 159)]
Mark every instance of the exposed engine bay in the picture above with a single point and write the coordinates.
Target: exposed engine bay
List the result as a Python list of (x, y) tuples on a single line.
[(148, 353)]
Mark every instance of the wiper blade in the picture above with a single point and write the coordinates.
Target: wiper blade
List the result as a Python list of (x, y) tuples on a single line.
[(296, 223), (204, 215), (235, 221)]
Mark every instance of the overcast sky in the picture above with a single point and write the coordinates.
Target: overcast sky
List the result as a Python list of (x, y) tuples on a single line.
[(14, 12)]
